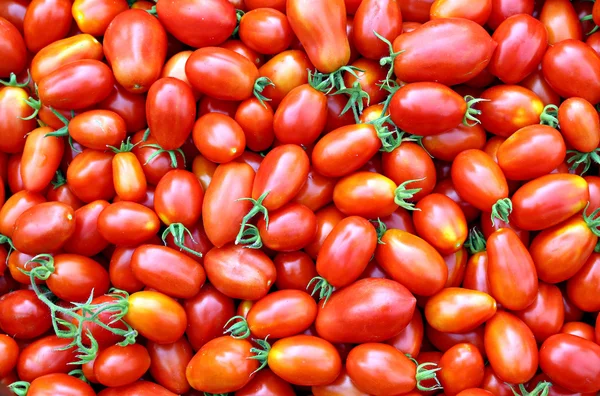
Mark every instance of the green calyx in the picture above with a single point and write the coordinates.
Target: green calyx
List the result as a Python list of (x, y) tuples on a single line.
[(261, 353), (325, 288), (19, 388), (238, 14), (549, 116), (390, 139), (259, 86), (79, 375), (424, 374), (501, 210), (59, 179), (4, 239), (356, 101), (64, 131), (592, 220), (402, 194), (159, 150), (35, 104), (541, 389), (388, 61), (577, 159), (475, 242), (178, 231), (238, 330), (125, 147), (589, 17), (12, 82), (380, 229), (248, 234), (470, 117)]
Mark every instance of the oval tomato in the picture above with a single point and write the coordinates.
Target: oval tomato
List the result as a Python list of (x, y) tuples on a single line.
[(97, 129), (476, 11), (168, 363), (294, 270), (441, 222), (579, 124), (585, 283), (178, 198), (473, 308), (41, 158), (49, 349), (45, 22), (503, 9), (13, 48), (409, 340), (121, 365), (90, 176), (23, 315), (76, 277), (290, 228), (43, 228), (256, 120), (13, 125), (546, 315), (287, 70), (93, 17), (561, 21), (381, 16), (265, 30), (461, 368), (447, 145), (130, 106), (59, 383), (127, 223), (218, 137)]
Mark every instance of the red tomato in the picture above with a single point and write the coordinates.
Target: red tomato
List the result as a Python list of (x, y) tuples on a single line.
[(327, 218), (90, 176), (265, 30), (13, 126), (168, 363), (522, 42), (380, 16), (76, 85), (409, 340), (14, 11), (14, 207), (430, 53), (447, 145), (198, 23), (343, 385), (477, 11), (538, 84), (561, 21), (290, 228), (256, 120), (265, 382), (59, 383), (130, 106), (76, 277), (584, 284), (511, 348), (179, 198), (170, 111), (441, 222), (41, 158), (49, 349), (503, 9), (244, 50), (558, 351), (135, 45), (13, 48), (294, 270), (287, 70), (127, 223), (579, 329), (579, 124), (546, 315), (23, 315), (121, 365), (145, 388), (461, 368), (316, 192), (94, 17), (373, 319), (10, 353), (97, 129), (447, 188), (457, 310), (43, 228), (155, 163), (219, 138), (495, 385), (45, 22)]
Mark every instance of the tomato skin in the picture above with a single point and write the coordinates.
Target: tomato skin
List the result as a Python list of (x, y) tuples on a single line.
[(222, 365), (561, 21), (14, 12), (354, 315), (242, 49), (473, 307), (178, 198), (94, 17), (59, 383), (45, 350), (409, 340), (427, 59), (97, 129), (511, 271), (168, 363), (127, 223), (579, 124), (493, 384), (218, 137), (447, 145), (531, 152), (10, 353), (327, 218), (321, 29), (266, 31), (366, 194), (560, 349), (256, 121), (583, 285), (476, 273), (12, 127), (511, 348), (14, 207), (301, 116), (343, 385), (569, 78), (76, 277), (461, 368), (381, 369), (135, 45), (441, 222), (503, 9), (382, 16), (290, 228), (130, 106), (87, 166), (13, 48), (41, 158), (538, 84), (139, 388), (156, 316), (160, 165), (478, 11), (548, 200), (579, 329), (46, 21), (266, 382), (23, 315), (522, 42), (43, 228), (545, 316), (240, 273), (287, 70), (76, 85), (118, 365), (316, 192)]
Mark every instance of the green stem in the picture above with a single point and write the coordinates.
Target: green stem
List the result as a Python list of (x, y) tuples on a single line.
[(324, 287), (261, 353), (257, 208), (178, 231), (159, 150), (476, 241), (577, 158), (549, 116), (470, 118), (238, 330), (401, 195), (12, 82), (59, 179), (380, 228), (259, 86), (388, 61), (501, 210), (19, 388)]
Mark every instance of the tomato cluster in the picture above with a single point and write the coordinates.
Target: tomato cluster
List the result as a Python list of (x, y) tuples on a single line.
[(300, 197)]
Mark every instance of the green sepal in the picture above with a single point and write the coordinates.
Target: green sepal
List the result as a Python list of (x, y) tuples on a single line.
[(238, 330), (401, 194), (470, 118), (325, 288), (501, 210), (475, 242), (178, 231)]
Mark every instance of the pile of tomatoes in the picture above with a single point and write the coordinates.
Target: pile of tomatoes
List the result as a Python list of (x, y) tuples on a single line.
[(299, 197)]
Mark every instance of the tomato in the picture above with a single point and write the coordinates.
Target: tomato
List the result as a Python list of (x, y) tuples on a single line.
[(256, 120), (569, 78), (145, 388), (14, 12), (579, 124), (41, 158), (13, 126), (354, 315), (10, 353), (127, 223), (522, 42), (475, 392), (409, 340), (557, 356), (265, 30), (135, 45), (218, 137), (91, 165), (43, 228), (579, 329), (265, 382), (14, 207), (167, 271), (583, 285), (511, 348), (327, 218), (476, 273), (430, 53), (51, 350), (168, 363), (461, 368), (441, 222), (472, 307), (444, 341), (179, 198), (121, 365), (478, 11), (294, 270), (503, 9), (130, 106), (493, 384), (290, 228), (13, 48), (381, 16), (561, 21), (59, 383), (538, 84), (97, 129), (155, 163), (447, 188), (546, 315), (23, 315), (76, 85), (489, 228), (548, 200), (381, 369), (46, 21), (316, 192), (76, 277), (222, 365), (447, 145), (412, 261)]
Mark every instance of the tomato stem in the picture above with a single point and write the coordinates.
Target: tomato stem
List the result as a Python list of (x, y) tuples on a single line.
[(257, 208), (250, 237), (238, 15), (261, 353), (592, 220), (12, 82), (59, 179), (424, 374), (549, 116), (64, 131), (159, 150), (35, 104), (178, 231), (79, 375), (238, 330), (390, 139), (471, 113), (4, 239), (388, 61), (356, 100), (501, 210), (541, 389), (325, 288), (125, 147), (401, 194), (577, 158), (380, 228), (476, 241), (259, 86), (19, 388)]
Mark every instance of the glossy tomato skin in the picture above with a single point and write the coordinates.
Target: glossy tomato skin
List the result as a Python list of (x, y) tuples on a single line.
[(139, 387), (473, 307), (531, 152), (59, 383), (511, 348), (382, 16), (381, 369), (355, 315), (414, 108), (327, 218), (23, 315), (584, 284), (522, 42), (461, 368), (133, 37), (561, 21), (503, 9), (12, 127), (167, 271), (45, 22), (94, 17), (13, 46), (207, 67), (76, 85), (44, 228), (121, 275), (538, 84), (290, 228), (294, 270), (76, 277), (118, 365), (222, 365), (130, 106), (178, 198), (87, 166), (558, 67), (346, 251), (14, 12), (218, 137), (410, 339), (266, 31), (545, 316), (160, 165), (168, 363), (321, 29), (14, 207), (316, 192), (170, 112), (41, 158), (429, 59), (511, 271), (10, 353), (45, 349), (441, 222), (156, 316), (579, 124), (478, 11), (240, 273), (366, 194), (447, 145), (97, 129), (127, 223), (412, 261), (266, 382), (548, 200), (287, 70), (560, 349), (256, 121)]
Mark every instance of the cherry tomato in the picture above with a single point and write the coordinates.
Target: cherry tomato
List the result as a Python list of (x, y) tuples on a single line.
[(23, 315), (461, 368), (456, 310), (316, 192), (546, 315), (579, 124), (381, 16), (127, 223), (447, 145), (50, 350), (256, 120), (219, 138), (168, 363), (121, 365), (290, 228), (294, 270), (41, 158), (561, 21), (477, 11), (91, 165), (265, 30), (266, 382), (13, 48), (43, 228), (130, 106), (76, 277), (59, 383), (441, 222), (46, 21), (179, 198), (12, 125), (10, 353)]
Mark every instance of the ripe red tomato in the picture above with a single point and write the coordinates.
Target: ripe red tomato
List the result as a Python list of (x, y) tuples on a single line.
[(561, 21), (380, 16), (579, 124), (447, 145), (10, 353), (94, 17), (265, 381), (409, 340), (23, 315), (461, 368), (139, 388), (265, 30), (45, 22), (290, 228), (476, 11), (457, 310), (13, 125), (441, 222), (503, 9), (121, 365), (90, 176), (218, 137), (287, 70), (256, 120), (51, 350), (584, 284), (130, 106), (97, 129), (76, 277), (342, 385), (41, 158), (13, 48), (168, 363), (294, 270), (178, 198), (545, 316), (127, 223), (59, 383)]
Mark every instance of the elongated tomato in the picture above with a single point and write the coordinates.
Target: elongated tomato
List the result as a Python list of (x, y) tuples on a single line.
[(381, 16), (474, 307)]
